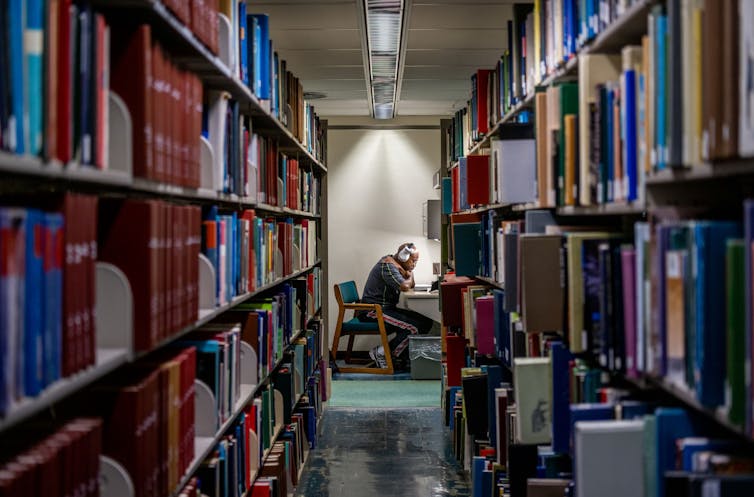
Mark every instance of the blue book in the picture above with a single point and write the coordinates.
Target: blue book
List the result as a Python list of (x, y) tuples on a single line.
[(467, 245), (749, 285), (690, 446), (85, 89), (631, 144), (609, 163), (33, 50), (33, 334), (53, 298), (243, 43), (275, 85), (709, 261), (478, 464), (262, 42), (447, 195), (560, 358), (255, 60), (660, 51), (587, 412), (671, 424), (633, 409), (463, 179), (264, 76), (494, 380), (18, 74), (502, 328)]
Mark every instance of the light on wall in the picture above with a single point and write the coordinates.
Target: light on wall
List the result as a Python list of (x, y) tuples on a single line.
[(384, 22)]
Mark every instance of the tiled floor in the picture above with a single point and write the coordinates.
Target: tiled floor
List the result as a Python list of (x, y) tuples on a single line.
[(382, 452)]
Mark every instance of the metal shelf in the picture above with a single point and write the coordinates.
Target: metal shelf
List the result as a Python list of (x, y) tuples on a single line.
[(705, 171), (601, 210), (108, 360)]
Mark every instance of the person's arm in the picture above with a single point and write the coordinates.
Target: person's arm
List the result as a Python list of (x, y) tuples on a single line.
[(396, 277)]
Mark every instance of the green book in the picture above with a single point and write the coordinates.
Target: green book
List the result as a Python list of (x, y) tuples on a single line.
[(650, 456), (569, 104), (735, 387), (267, 421)]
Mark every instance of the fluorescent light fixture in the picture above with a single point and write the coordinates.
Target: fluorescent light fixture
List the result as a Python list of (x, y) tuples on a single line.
[(384, 36)]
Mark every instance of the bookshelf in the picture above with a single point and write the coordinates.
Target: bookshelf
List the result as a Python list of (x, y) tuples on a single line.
[(289, 157), (622, 273)]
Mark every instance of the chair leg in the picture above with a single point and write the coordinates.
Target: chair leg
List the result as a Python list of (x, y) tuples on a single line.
[(349, 349)]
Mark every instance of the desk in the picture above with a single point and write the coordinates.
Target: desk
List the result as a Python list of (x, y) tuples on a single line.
[(426, 303)]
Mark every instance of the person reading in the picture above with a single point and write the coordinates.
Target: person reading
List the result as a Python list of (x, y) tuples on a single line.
[(390, 276)]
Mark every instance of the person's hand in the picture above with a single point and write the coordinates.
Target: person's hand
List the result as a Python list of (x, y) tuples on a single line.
[(406, 274)]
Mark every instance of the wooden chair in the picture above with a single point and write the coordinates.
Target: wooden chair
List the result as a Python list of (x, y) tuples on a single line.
[(347, 297)]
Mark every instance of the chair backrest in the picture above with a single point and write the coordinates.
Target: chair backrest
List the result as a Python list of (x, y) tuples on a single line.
[(348, 292)]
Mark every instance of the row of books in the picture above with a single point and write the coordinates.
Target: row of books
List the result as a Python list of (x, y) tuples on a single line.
[(156, 244), (61, 461), (667, 102), (260, 67), (47, 295), (54, 91), (531, 434), (200, 16), (266, 446), (251, 165), (249, 251), (647, 307)]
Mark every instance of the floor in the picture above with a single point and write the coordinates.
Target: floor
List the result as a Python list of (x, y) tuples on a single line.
[(379, 451)]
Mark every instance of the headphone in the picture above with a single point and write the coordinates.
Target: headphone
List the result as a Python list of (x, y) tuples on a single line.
[(405, 252)]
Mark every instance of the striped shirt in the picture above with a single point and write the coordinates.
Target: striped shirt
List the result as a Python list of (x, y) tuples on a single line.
[(383, 284)]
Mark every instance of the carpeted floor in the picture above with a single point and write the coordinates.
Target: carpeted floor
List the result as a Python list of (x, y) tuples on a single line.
[(386, 393)]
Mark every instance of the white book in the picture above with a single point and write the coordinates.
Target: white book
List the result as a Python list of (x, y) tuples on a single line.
[(218, 112), (609, 458), (532, 382), (517, 171)]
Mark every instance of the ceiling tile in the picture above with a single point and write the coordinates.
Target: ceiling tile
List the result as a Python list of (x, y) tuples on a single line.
[(332, 86), (474, 16), (328, 57), (317, 16), (438, 72), (491, 39), (317, 39), (477, 58)]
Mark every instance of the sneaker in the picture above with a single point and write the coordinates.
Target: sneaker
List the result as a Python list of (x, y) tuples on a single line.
[(378, 357)]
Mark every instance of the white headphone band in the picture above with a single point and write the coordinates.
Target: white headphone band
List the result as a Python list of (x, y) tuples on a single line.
[(406, 252)]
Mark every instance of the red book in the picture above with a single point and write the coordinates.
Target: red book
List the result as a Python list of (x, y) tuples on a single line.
[(195, 244), (478, 182), (91, 277), (102, 87), (455, 353), (482, 116), (248, 215), (159, 112), (485, 327), (452, 305), (131, 240), (131, 77)]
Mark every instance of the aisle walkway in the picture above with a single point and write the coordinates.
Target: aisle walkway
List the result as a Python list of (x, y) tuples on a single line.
[(365, 452)]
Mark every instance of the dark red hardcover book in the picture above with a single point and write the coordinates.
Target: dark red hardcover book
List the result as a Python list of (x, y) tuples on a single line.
[(478, 179), (131, 77), (455, 353), (130, 239), (91, 277), (159, 112), (482, 116), (452, 305)]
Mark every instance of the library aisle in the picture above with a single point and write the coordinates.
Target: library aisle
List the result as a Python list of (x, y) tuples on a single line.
[(383, 451)]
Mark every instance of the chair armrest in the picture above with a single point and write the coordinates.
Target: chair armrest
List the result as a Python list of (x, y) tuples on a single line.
[(361, 306)]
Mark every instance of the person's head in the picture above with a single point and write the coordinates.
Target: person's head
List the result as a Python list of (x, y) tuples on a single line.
[(407, 256)]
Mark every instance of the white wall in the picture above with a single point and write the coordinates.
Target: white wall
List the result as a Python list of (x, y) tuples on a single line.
[(377, 180)]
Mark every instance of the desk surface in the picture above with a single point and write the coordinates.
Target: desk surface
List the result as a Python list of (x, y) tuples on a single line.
[(426, 303)]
